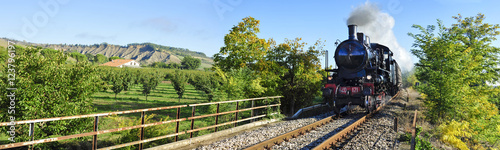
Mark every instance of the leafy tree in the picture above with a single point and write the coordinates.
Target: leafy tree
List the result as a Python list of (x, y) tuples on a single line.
[(287, 69), (149, 82), (190, 63), (90, 57), (179, 80), (49, 53), (3, 56), (117, 82), (173, 65), (240, 83), (455, 65), (49, 88), (114, 57), (78, 56), (100, 59), (128, 79), (159, 65), (409, 78), (205, 83), (301, 79), (242, 46)]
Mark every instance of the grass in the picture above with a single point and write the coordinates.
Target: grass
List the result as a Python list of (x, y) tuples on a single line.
[(427, 136), (164, 95)]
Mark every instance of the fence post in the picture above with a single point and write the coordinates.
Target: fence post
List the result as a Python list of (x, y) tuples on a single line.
[(143, 115), (279, 106), (236, 116), (396, 124), (407, 96), (268, 107), (96, 127), (217, 117), (32, 134), (252, 114), (192, 121), (177, 125), (414, 131)]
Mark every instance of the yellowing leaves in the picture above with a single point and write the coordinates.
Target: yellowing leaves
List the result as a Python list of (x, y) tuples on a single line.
[(453, 131)]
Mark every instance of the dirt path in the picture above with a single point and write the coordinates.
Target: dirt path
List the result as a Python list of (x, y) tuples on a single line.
[(414, 102)]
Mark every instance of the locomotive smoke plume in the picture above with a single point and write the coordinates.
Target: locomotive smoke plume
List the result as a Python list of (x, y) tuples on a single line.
[(378, 26)]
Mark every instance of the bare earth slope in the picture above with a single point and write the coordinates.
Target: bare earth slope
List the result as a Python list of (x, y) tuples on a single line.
[(145, 53)]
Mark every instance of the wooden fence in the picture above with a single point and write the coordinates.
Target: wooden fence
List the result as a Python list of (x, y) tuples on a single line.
[(141, 141)]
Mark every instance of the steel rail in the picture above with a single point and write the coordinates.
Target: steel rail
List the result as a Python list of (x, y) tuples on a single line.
[(332, 141), (295, 133), (285, 137), (290, 135)]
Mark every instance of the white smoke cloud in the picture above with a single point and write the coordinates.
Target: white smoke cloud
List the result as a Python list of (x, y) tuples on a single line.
[(378, 26)]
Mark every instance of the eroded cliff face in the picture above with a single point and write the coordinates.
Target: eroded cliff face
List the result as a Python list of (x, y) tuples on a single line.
[(141, 53), (145, 53)]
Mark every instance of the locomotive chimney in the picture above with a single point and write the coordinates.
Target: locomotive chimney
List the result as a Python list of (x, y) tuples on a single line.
[(361, 37), (352, 31)]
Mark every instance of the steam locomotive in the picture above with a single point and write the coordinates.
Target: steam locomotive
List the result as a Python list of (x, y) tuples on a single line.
[(366, 74)]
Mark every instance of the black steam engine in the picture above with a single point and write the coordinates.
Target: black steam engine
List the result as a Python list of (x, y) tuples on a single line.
[(366, 75)]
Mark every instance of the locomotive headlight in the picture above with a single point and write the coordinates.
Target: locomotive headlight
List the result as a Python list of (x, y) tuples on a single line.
[(369, 77)]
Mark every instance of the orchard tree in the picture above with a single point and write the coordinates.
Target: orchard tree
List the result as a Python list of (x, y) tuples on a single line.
[(241, 46), (149, 82), (190, 63), (205, 83), (46, 88), (179, 80), (117, 83), (128, 79), (456, 63)]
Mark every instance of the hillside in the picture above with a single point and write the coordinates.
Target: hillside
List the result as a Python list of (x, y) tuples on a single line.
[(145, 53)]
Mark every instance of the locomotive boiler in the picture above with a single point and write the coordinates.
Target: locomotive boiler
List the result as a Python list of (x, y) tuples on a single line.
[(366, 74)]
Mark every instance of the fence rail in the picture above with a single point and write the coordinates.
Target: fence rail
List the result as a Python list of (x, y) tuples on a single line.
[(143, 125)]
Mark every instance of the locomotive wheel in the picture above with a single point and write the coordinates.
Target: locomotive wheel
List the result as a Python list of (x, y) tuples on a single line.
[(349, 109), (336, 110), (371, 104)]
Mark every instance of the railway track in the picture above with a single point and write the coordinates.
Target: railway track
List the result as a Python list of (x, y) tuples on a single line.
[(328, 133)]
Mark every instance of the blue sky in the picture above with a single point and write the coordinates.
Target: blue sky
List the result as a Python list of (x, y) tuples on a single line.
[(200, 25)]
